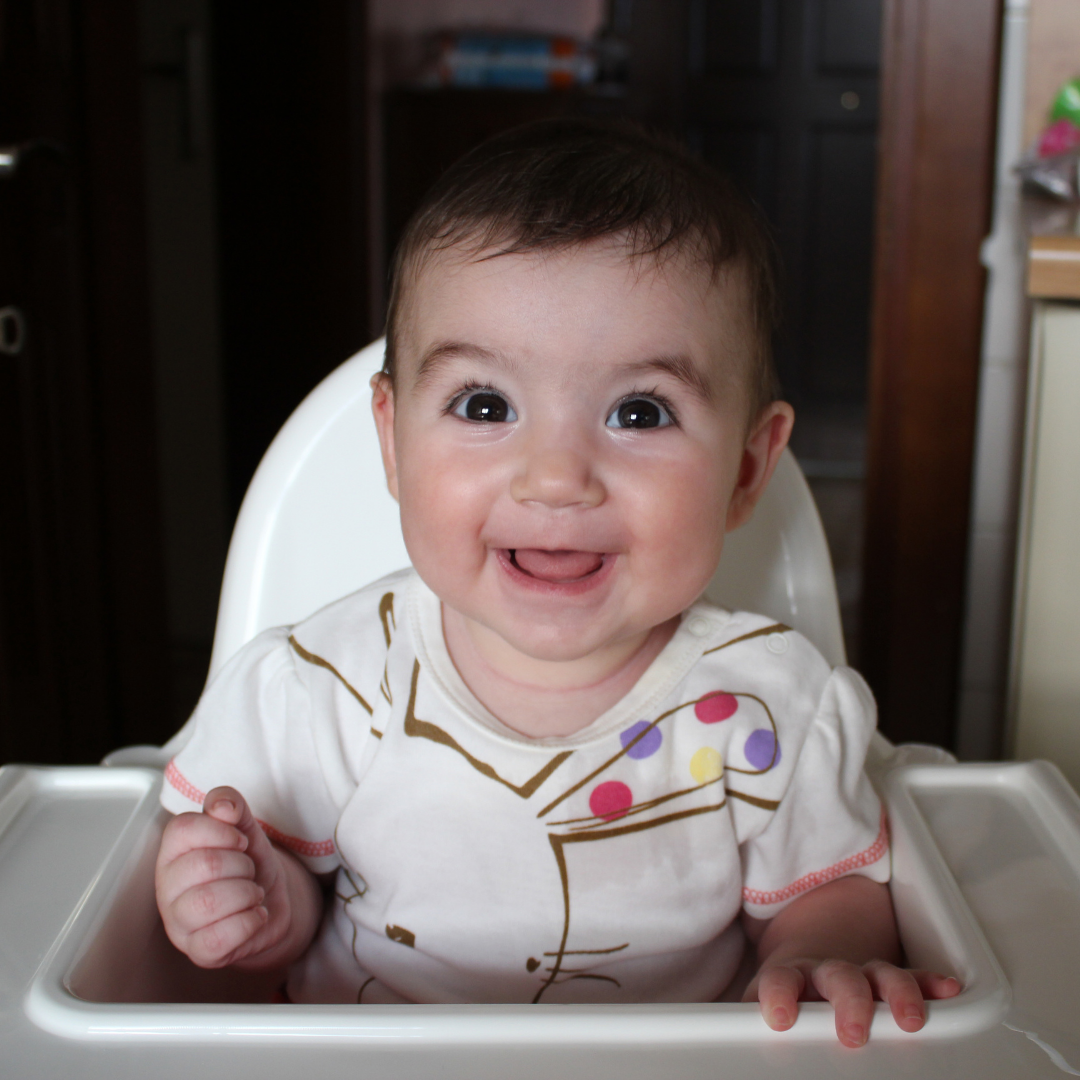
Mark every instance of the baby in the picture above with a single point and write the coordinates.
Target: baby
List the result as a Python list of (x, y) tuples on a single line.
[(537, 767)]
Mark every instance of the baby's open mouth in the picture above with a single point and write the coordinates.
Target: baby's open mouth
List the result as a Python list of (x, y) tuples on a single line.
[(556, 567)]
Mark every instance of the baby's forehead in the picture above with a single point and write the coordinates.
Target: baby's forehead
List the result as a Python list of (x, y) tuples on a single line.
[(601, 283), (724, 292), (686, 265)]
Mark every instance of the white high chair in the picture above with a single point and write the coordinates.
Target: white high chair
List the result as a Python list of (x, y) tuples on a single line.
[(986, 859)]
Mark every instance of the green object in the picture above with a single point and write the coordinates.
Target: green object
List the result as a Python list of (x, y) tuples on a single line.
[(1067, 103)]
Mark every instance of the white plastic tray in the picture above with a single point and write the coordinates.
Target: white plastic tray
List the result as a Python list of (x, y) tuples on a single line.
[(986, 885)]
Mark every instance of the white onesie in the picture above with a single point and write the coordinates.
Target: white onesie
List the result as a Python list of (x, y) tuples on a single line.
[(477, 865)]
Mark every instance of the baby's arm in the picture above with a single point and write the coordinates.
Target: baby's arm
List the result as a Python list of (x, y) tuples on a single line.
[(227, 895), (838, 943)]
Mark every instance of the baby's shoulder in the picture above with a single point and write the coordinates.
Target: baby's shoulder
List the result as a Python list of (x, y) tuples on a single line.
[(357, 631), (756, 655), (767, 677)]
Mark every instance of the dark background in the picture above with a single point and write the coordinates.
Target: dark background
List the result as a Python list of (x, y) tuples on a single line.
[(197, 230)]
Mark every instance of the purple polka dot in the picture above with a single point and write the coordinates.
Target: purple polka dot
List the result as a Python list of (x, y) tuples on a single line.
[(647, 745), (759, 749)]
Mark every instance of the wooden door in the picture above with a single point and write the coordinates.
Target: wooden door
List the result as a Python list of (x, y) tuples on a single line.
[(783, 94), (935, 182)]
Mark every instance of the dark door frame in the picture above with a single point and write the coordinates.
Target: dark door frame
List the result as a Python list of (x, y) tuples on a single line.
[(935, 186)]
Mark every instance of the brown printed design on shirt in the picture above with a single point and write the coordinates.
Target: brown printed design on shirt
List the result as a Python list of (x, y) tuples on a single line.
[(386, 617), (611, 800)]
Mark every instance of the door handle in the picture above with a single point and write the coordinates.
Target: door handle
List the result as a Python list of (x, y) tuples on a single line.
[(12, 331), (13, 155)]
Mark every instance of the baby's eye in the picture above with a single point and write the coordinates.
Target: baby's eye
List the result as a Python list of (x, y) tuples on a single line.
[(485, 406), (639, 412)]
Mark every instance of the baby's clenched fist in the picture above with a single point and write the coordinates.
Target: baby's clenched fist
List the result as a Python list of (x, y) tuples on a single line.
[(222, 887)]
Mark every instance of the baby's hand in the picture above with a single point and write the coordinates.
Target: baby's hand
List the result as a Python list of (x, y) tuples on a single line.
[(221, 887), (851, 989)]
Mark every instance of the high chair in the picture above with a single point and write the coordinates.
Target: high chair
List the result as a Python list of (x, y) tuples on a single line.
[(986, 860)]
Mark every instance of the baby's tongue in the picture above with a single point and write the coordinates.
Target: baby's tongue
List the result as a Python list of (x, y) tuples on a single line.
[(557, 566)]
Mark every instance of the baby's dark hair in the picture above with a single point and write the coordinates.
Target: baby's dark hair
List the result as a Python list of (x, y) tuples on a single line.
[(559, 184)]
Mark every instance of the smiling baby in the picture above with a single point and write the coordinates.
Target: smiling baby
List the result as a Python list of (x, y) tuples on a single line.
[(536, 766)]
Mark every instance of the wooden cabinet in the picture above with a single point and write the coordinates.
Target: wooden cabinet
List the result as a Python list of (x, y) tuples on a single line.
[(1046, 651), (1044, 696)]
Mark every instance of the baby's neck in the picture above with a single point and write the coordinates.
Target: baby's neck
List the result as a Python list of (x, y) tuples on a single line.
[(545, 700)]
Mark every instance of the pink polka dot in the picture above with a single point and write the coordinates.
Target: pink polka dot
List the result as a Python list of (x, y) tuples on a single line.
[(610, 800), (713, 708)]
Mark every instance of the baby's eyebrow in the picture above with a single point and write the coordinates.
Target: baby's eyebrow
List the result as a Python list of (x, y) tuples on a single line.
[(680, 367), (443, 351)]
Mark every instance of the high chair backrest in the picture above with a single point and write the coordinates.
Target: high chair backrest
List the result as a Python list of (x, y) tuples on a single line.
[(318, 522)]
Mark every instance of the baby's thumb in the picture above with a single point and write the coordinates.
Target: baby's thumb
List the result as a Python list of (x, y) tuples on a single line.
[(228, 805)]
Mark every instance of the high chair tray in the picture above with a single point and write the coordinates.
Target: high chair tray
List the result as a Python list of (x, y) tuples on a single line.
[(986, 885)]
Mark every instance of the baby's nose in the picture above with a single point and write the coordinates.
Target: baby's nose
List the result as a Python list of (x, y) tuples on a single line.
[(558, 476)]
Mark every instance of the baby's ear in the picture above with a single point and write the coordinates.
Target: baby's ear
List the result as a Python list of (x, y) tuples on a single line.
[(382, 407), (768, 436)]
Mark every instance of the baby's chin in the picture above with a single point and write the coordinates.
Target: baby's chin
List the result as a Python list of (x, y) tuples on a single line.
[(544, 652), (557, 648), (553, 644)]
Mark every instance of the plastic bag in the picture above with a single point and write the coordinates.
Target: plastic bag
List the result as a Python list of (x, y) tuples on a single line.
[(1052, 166)]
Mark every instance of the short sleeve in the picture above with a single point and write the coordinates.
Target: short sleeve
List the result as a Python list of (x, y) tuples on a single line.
[(830, 822), (253, 731)]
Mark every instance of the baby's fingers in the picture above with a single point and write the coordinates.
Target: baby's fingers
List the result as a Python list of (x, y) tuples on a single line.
[(207, 904), (200, 867), (901, 990), (848, 990), (227, 805), (778, 990), (227, 940), (933, 986), (188, 832)]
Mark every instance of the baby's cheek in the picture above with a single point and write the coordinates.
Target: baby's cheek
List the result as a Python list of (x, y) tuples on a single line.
[(426, 495), (686, 519), (682, 555), (441, 537)]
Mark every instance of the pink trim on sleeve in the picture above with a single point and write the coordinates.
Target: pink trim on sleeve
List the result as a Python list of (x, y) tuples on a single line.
[(819, 877), (312, 848), (177, 779)]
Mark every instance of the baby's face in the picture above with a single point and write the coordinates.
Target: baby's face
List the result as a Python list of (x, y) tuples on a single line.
[(568, 440)]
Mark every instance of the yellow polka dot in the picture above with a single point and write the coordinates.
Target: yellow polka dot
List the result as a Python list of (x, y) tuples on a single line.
[(706, 765)]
